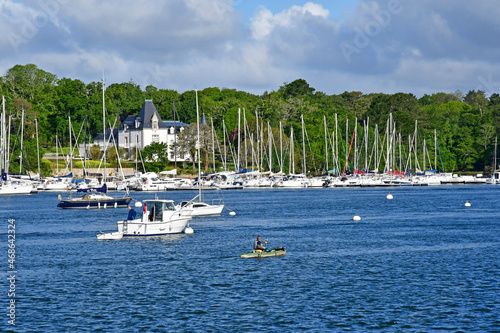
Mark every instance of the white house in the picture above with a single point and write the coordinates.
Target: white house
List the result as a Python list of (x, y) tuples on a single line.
[(139, 131)]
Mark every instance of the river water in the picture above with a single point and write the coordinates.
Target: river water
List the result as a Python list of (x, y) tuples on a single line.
[(420, 262)]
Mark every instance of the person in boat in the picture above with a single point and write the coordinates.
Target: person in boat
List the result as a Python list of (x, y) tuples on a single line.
[(131, 213), (259, 245), (152, 212)]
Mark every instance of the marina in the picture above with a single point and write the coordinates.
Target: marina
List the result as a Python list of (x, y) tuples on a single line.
[(420, 261)]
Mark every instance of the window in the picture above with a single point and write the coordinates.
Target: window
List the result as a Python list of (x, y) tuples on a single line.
[(156, 138), (154, 122)]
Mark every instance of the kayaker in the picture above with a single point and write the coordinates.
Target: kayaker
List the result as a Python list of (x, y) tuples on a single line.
[(258, 245), (131, 213)]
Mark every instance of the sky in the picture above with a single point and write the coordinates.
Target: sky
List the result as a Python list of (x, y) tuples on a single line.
[(389, 46)]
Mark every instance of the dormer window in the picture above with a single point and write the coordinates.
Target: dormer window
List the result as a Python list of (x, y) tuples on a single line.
[(154, 122)]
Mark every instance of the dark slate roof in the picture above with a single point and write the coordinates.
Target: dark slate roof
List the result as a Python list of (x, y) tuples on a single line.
[(145, 116), (170, 123), (99, 137)]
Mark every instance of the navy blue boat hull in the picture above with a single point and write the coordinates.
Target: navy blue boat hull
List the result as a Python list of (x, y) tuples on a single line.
[(84, 204)]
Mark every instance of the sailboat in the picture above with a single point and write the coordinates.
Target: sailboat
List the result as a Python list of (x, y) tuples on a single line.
[(7, 184), (97, 198), (199, 208)]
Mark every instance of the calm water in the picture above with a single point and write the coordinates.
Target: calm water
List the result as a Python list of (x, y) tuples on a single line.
[(421, 262)]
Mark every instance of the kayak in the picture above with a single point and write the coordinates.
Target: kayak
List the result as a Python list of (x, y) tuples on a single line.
[(276, 252)]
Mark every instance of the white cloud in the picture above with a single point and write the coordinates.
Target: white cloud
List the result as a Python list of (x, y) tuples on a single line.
[(265, 22), (420, 47)]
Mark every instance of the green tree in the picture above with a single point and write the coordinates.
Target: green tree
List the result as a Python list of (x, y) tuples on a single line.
[(296, 88), (155, 156)]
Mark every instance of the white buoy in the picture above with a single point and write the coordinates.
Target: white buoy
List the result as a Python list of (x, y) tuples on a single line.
[(389, 196), (105, 205), (188, 230), (59, 197), (116, 204), (356, 218), (232, 213), (467, 204), (138, 204), (99, 205), (88, 206)]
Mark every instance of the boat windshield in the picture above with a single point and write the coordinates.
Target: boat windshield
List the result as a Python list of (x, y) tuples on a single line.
[(169, 206)]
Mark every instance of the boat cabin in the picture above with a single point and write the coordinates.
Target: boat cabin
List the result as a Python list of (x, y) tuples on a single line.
[(157, 209)]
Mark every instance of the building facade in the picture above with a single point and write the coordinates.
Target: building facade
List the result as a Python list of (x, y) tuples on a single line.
[(139, 131)]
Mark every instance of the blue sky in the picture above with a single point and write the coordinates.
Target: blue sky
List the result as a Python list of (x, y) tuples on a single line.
[(389, 46), (248, 7)]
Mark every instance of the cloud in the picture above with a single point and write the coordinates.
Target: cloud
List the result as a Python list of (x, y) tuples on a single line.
[(379, 46)]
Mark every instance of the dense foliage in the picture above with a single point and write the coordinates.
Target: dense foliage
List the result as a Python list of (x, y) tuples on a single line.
[(466, 125)]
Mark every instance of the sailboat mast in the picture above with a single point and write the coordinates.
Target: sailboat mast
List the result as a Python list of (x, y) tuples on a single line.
[(355, 143), (326, 143), (269, 133), (175, 143), (70, 146), (224, 143), (415, 138), (199, 157), (281, 148), (213, 141), (57, 156), (85, 145), (435, 150), (257, 138), (104, 129), (37, 148), (245, 135), (239, 140), (22, 139), (303, 145), (336, 141), (3, 161)]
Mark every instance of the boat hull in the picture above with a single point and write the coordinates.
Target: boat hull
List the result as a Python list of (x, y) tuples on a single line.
[(94, 204), (139, 227), (201, 209), (110, 236), (278, 252)]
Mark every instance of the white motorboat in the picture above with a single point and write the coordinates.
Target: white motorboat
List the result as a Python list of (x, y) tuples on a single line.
[(160, 217)]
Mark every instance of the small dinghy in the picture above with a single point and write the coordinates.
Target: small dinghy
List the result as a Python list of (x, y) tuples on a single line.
[(110, 235), (276, 252)]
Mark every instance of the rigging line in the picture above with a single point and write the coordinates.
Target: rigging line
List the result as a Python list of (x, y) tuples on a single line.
[(344, 149), (440, 158), (359, 155), (350, 146), (312, 156), (24, 155)]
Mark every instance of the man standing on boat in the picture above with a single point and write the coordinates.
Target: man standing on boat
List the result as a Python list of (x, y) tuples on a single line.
[(131, 213), (258, 245)]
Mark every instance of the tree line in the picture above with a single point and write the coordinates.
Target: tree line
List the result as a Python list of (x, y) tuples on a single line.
[(466, 125)]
